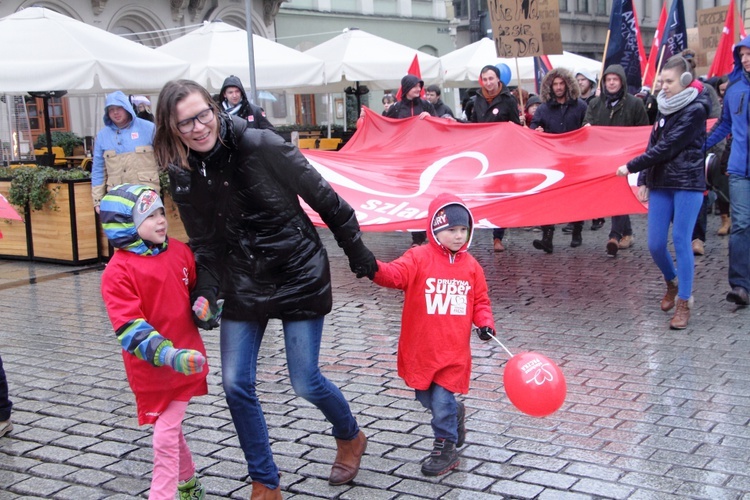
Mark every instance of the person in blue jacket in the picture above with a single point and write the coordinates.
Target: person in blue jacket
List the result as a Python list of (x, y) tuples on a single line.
[(123, 150), (736, 120)]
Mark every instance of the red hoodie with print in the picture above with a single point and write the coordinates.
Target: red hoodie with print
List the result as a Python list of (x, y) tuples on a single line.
[(444, 293)]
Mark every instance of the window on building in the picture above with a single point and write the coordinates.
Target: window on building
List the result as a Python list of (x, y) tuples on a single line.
[(601, 7), (582, 6), (563, 5), (304, 105), (58, 115)]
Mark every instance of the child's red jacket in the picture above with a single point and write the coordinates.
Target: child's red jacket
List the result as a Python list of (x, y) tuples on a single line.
[(444, 295)]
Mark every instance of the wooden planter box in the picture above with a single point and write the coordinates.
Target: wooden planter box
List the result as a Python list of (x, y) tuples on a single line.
[(67, 235), (14, 243)]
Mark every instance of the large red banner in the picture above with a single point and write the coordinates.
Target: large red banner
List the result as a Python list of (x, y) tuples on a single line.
[(508, 175)]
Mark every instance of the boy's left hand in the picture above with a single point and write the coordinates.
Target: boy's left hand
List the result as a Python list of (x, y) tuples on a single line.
[(207, 315), (485, 332)]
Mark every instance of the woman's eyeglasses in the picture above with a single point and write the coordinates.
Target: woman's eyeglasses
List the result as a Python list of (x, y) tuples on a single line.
[(187, 125)]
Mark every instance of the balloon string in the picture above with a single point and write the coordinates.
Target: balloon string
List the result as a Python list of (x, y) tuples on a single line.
[(501, 345)]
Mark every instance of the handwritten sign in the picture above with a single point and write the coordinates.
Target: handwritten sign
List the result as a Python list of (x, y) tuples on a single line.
[(523, 28), (710, 25)]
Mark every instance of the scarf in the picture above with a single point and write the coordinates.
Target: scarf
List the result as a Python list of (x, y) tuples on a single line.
[(670, 105), (491, 96), (231, 110), (613, 99)]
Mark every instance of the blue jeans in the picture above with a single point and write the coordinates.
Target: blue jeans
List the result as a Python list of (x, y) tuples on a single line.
[(442, 404), (5, 404), (240, 343), (739, 238), (680, 207)]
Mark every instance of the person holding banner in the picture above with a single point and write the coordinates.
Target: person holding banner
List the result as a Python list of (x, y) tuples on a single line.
[(238, 191), (562, 110), (616, 108), (494, 104), (735, 119), (672, 180)]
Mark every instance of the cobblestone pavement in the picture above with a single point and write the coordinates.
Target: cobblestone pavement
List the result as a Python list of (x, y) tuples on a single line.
[(650, 413)]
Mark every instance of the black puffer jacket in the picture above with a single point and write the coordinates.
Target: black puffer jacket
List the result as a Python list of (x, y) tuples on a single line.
[(249, 233), (503, 108), (406, 108), (675, 157)]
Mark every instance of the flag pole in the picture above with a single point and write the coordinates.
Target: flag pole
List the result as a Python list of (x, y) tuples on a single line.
[(604, 58), (518, 76), (658, 67)]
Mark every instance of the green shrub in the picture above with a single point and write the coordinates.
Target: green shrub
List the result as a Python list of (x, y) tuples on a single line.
[(66, 140), (29, 185)]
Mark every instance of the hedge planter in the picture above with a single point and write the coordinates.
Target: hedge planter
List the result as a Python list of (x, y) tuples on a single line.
[(65, 234)]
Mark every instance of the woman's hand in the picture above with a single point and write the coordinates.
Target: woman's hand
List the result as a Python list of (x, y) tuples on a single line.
[(642, 194), (622, 171)]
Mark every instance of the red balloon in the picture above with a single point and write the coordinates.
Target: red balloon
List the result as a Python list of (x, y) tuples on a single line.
[(534, 384)]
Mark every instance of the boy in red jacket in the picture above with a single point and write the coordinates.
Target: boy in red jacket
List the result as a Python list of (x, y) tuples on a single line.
[(445, 292), (146, 289)]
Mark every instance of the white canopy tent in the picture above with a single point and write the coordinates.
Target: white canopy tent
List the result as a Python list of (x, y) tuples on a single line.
[(217, 50), (44, 50), (356, 56), (461, 67)]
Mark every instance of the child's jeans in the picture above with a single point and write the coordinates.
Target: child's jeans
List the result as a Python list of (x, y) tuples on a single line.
[(172, 459), (442, 404)]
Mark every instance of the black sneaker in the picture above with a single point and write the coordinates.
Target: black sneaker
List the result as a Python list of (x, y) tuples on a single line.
[(461, 425), (443, 458), (597, 224), (568, 228)]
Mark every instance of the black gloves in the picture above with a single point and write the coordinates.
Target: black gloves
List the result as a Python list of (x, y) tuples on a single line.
[(206, 310), (485, 332), (361, 260)]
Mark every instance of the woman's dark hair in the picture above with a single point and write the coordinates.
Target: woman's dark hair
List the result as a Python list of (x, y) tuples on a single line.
[(168, 146)]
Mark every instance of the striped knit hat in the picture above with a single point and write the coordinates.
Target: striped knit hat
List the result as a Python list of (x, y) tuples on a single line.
[(122, 210)]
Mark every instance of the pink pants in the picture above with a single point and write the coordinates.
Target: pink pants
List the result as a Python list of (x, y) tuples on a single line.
[(172, 459)]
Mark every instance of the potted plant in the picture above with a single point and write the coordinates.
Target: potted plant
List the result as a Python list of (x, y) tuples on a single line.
[(59, 218)]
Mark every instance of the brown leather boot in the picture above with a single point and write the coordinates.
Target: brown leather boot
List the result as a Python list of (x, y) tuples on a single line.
[(263, 492), (667, 302), (348, 457), (681, 314), (726, 225)]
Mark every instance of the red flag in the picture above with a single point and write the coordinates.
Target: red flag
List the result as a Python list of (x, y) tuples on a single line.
[(649, 74), (7, 211), (413, 70), (724, 57), (639, 37)]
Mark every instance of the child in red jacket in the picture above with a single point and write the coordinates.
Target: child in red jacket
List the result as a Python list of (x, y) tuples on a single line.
[(445, 292), (146, 288)]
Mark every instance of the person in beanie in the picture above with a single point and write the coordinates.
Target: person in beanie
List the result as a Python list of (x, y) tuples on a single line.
[(616, 108), (494, 104), (233, 100), (531, 106), (146, 288), (409, 105), (445, 292)]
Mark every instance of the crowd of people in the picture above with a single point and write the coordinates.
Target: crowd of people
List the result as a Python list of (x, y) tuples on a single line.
[(254, 254)]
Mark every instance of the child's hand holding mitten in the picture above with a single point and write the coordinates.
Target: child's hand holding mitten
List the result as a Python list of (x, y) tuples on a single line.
[(485, 332), (207, 312)]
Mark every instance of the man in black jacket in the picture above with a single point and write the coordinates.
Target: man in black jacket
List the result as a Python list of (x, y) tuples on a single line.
[(432, 94), (616, 108), (234, 101), (411, 104), (562, 110)]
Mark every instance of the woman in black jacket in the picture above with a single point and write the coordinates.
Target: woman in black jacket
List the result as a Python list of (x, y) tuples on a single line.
[(672, 181), (237, 190)]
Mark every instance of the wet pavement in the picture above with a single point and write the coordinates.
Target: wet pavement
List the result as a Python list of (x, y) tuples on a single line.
[(650, 413)]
